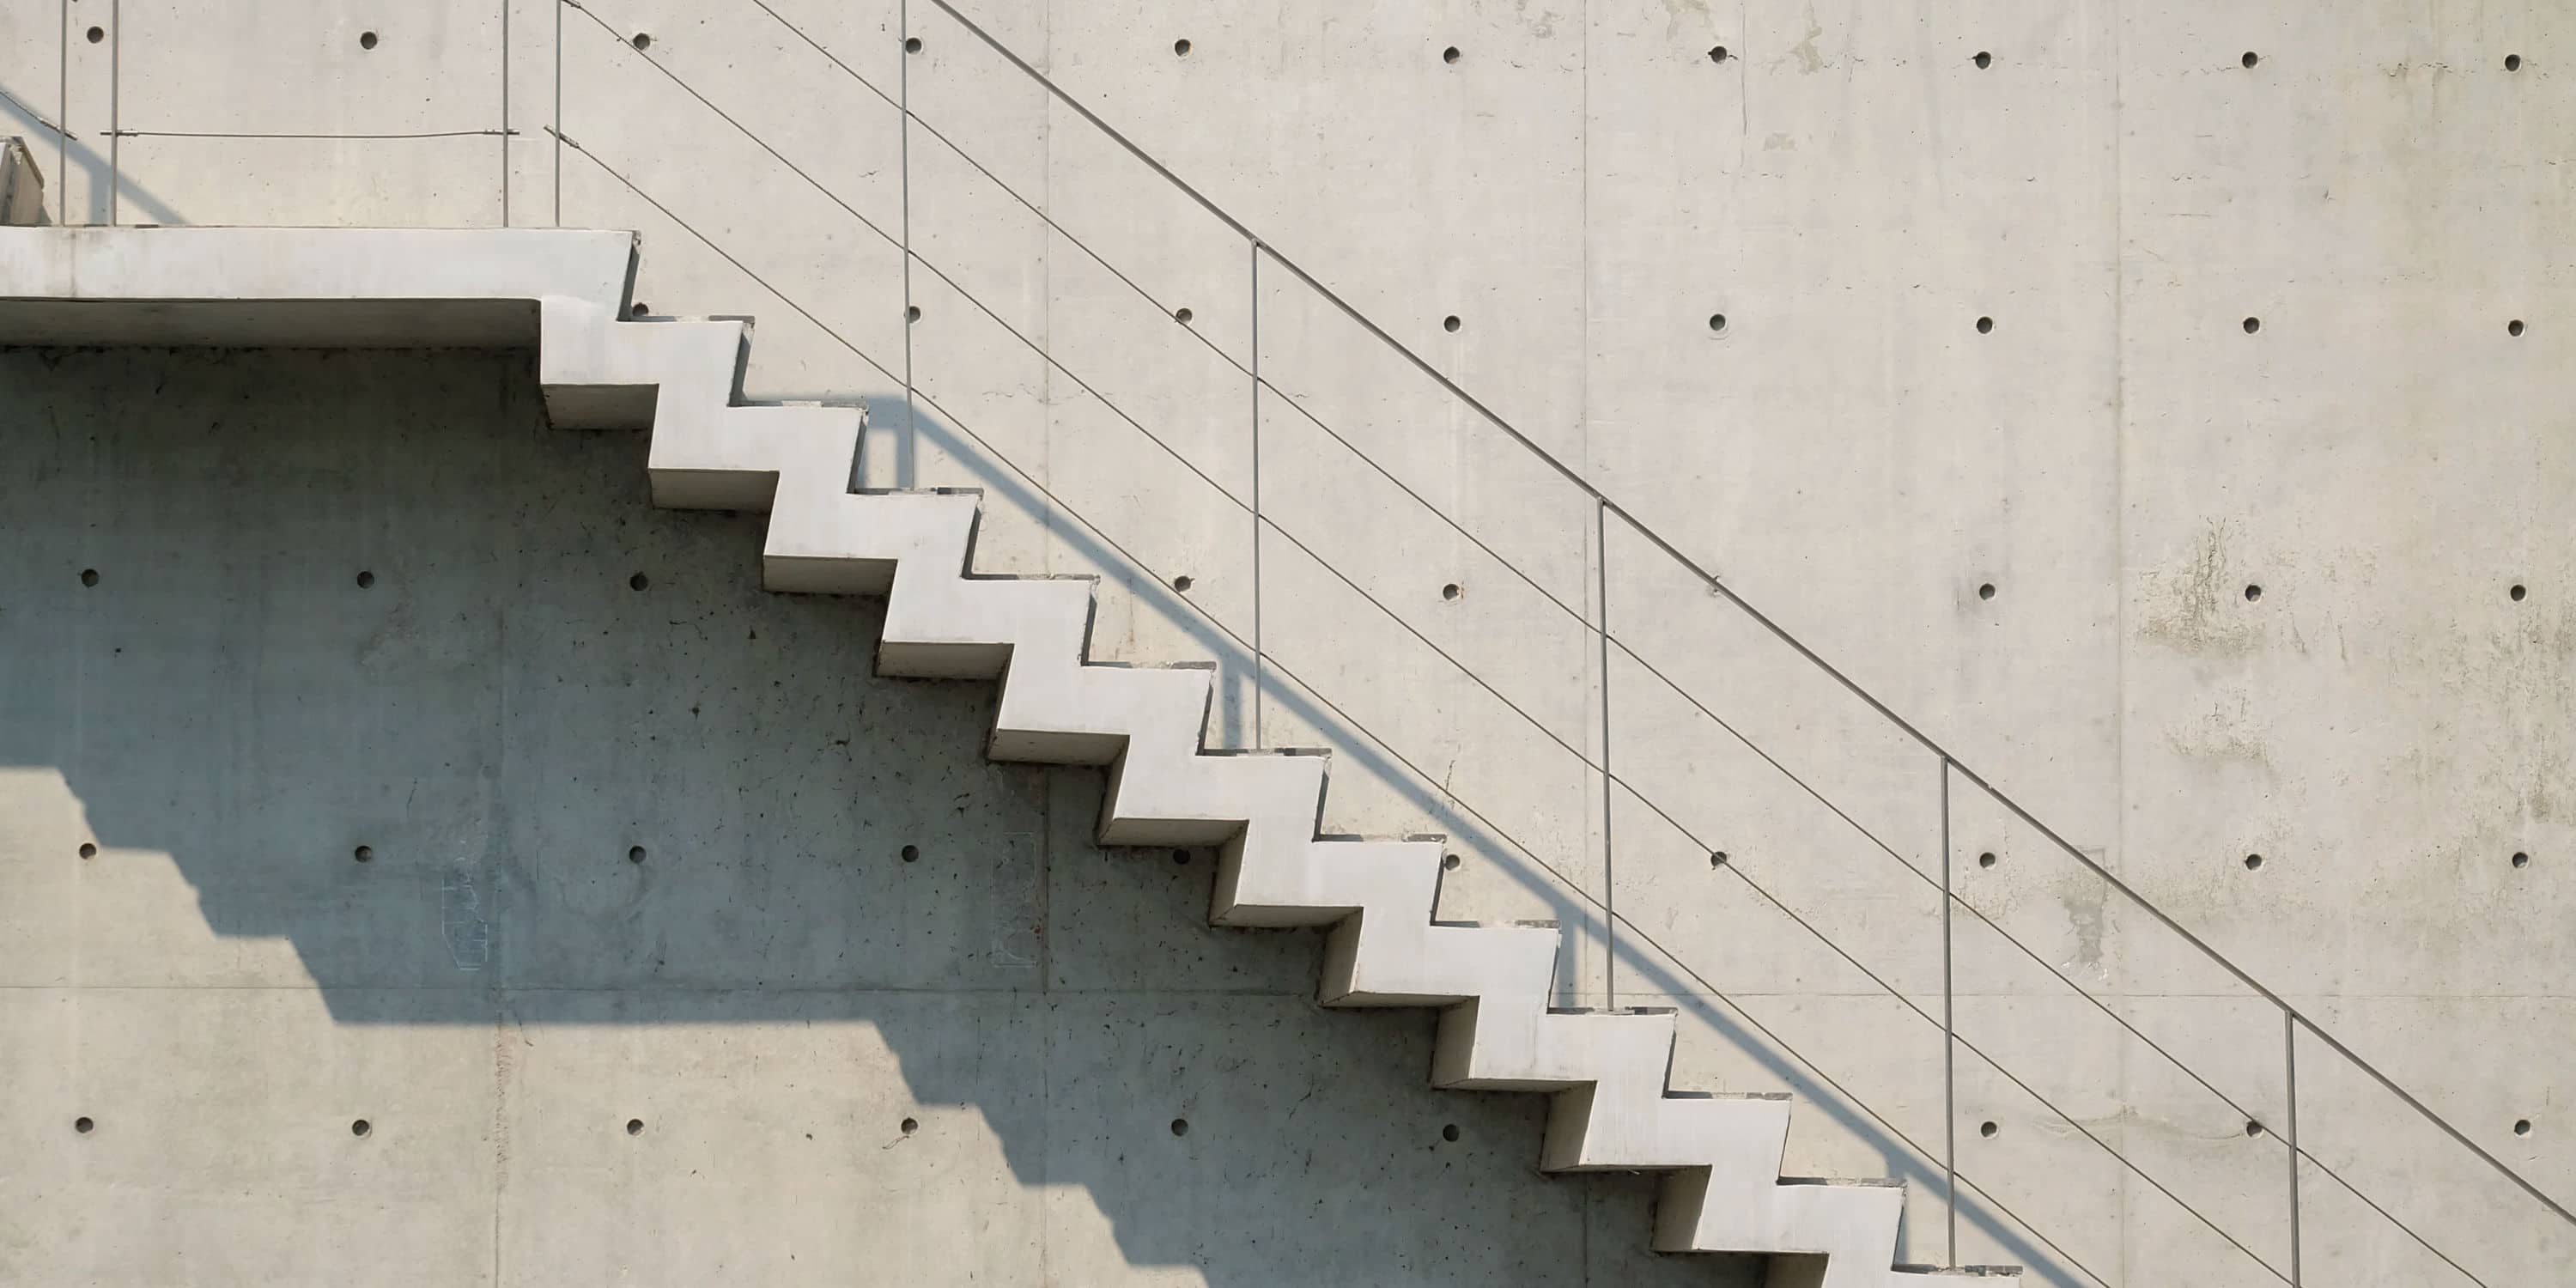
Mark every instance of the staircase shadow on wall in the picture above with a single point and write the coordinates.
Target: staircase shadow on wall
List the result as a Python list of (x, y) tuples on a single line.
[(602, 778)]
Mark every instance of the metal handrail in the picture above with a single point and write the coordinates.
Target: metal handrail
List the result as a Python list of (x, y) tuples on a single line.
[(1717, 585), (1605, 506)]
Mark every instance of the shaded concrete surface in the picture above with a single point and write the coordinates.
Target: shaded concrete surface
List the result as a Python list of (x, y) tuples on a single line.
[(641, 844)]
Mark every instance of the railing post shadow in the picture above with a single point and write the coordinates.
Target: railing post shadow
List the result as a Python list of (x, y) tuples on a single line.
[(2290, 1079)]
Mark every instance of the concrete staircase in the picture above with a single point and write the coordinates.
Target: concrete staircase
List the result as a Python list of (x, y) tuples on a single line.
[(1612, 1109)]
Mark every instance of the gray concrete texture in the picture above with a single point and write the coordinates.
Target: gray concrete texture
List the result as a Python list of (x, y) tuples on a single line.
[(1761, 338)]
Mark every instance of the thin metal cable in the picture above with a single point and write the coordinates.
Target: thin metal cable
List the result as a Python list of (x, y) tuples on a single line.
[(1973, 1049), (1471, 674), (1609, 914), (1947, 893), (1032, 482), (1760, 618), (727, 255), (817, 45), (745, 131), (1361, 455), (1737, 869), (1570, 612), (1607, 506), (1259, 249), (980, 168), (2384, 1215), (912, 257)]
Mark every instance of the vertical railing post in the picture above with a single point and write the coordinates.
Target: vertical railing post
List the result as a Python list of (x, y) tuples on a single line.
[(1949, 1047), (559, 117), (1254, 246), (903, 152), (505, 113), (2290, 1077), (115, 111), (1609, 885)]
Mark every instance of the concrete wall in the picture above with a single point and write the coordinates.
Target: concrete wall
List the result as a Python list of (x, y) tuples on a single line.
[(1586, 191)]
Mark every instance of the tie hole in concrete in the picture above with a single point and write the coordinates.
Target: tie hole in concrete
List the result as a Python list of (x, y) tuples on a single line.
[(366, 580), (1986, 591), (1984, 60), (88, 851), (1182, 582), (2253, 1128), (1449, 55), (1718, 54), (1180, 1126), (1450, 323), (363, 853), (634, 1126), (1986, 860), (2253, 593), (1985, 326), (911, 1125), (1450, 591), (912, 854), (2250, 58), (638, 582), (2516, 594), (1449, 1132), (2521, 859), (1450, 862), (912, 45), (642, 41), (2253, 861), (635, 854), (1180, 858), (2253, 325), (89, 576), (362, 1128), (83, 1125), (97, 34), (2513, 328), (2513, 62), (1181, 315), (2521, 1126), (1988, 1129), (366, 40), (1181, 48)]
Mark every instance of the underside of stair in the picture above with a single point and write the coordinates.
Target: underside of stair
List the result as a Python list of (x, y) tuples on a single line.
[(1612, 1108)]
